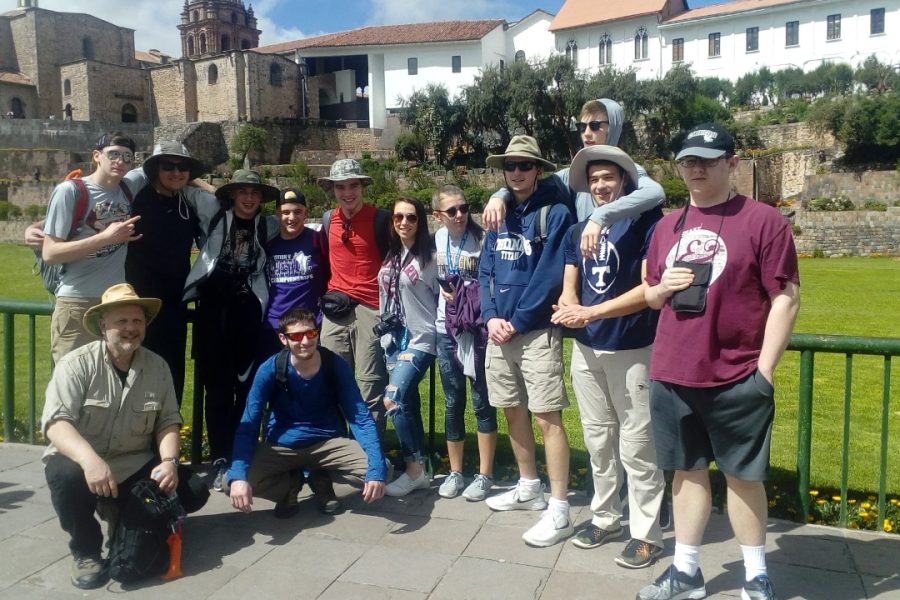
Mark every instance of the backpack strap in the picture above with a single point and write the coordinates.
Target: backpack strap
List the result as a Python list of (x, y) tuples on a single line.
[(540, 225), (327, 368), (281, 365), (127, 191), (81, 202)]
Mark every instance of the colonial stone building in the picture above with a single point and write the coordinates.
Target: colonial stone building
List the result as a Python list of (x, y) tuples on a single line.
[(87, 69)]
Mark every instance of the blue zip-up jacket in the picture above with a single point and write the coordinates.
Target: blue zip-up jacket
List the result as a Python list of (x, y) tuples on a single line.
[(308, 413), (527, 276)]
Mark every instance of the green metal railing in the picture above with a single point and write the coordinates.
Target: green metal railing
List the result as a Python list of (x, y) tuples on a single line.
[(807, 345)]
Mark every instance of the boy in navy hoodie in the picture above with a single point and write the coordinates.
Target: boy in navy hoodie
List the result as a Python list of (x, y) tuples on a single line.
[(521, 278)]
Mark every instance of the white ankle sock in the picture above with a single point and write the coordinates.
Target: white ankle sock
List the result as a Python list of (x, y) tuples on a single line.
[(532, 486), (754, 561), (561, 506), (687, 558)]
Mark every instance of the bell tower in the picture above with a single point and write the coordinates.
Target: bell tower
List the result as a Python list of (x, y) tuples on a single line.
[(27, 4), (211, 27)]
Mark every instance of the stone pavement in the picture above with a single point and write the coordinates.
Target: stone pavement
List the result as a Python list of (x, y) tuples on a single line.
[(419, 547)]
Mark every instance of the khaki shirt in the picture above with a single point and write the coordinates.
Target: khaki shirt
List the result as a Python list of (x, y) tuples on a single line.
[(120, 423)]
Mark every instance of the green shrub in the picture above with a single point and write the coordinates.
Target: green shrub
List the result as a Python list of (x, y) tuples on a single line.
[(675, 190), (817, 253), (829, 204), (33, 212), (411, 147), (796, 230), (873, 204), (9, 211)]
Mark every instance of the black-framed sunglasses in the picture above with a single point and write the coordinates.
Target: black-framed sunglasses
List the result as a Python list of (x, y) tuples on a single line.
[(462, 209), (692, 161), (299, 336), (345, 234), (524, 165), (594, 125), (409, 217), (165, 165)]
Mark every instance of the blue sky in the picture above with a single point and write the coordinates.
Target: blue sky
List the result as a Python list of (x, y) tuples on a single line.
[(155, 21)]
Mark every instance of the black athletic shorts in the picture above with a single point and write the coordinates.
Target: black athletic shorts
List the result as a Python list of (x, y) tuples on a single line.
[(729, 424)]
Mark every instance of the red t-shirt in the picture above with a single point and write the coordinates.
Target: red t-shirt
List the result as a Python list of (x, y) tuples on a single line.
[(354, 263), (752, 260)]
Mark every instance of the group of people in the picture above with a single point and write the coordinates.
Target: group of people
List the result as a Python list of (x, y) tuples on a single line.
[(319, 335)]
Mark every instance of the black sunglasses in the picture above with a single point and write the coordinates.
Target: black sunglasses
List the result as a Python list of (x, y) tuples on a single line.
[(174, 166), (594, 125), (410, 218), (462, 209), (524, 166)]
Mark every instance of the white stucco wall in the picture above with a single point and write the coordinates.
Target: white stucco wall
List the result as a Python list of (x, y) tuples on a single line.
[(377, 104), (531, 36), (434, 62), (854, 45), (622, 34)]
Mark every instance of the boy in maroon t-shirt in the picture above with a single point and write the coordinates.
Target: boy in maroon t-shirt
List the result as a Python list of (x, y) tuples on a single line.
[(354, 236), (723, 273)]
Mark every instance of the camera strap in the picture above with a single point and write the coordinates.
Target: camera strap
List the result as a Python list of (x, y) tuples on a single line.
[(683, 221)]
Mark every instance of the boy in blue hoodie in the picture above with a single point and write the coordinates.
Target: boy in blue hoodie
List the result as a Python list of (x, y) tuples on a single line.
[(521, 277)]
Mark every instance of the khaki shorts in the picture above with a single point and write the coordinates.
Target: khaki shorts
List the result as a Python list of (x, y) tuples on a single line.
[(528, 369), (67, 331)]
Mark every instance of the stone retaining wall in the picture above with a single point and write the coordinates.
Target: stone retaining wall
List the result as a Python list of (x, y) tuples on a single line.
[(851, 233)]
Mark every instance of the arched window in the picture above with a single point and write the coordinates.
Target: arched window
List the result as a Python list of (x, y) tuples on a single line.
[(275, 75), (87, 48), (195, 16), (129, 113), (245, 44), (520, 56), (572, 52), (190, 46), (225, 43), (67, 88), (202, 43), (234, 18), (605, 49), (212, 74), (641, 44)]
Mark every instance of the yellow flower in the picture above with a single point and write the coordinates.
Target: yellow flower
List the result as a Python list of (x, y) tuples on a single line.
[(772, 504), (582, 471), (888, 525), (895, 501), (853, 525), (865, 505), (872, 498), (813, 493), (851, 501), (863, 514), (820, 501), (836, 498)]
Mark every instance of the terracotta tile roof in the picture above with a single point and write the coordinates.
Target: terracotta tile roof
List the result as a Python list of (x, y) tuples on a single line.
[(14, 77), (385, 35), (726, 8), (148, 57), (578, 13)]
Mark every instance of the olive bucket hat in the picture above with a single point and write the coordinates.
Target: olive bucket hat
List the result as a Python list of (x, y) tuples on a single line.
[(342, 170), (244, 177), (521, 146), (175, 151)]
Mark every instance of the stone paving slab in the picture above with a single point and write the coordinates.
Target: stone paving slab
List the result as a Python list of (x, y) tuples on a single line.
[(416, 548)]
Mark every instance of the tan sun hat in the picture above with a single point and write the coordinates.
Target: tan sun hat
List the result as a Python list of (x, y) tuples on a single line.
[(120, 294), (578, 179), (521, 146)]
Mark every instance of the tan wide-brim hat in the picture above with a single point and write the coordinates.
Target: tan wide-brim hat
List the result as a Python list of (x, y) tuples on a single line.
[(521, 146), (120, 294), (176, 150), (243, 178), (578, 179)]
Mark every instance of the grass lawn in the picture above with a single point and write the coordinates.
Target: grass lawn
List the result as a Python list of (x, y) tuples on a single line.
[(847, 296)]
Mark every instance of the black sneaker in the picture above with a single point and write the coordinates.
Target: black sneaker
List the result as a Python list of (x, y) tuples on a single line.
[(288, 506), (760, 588), (89, 572), (220, 468), (675, 585), (323, 493), (638, 554), (592, 536)]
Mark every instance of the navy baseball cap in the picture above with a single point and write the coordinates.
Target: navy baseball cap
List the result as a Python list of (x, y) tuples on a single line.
[(707, 140)]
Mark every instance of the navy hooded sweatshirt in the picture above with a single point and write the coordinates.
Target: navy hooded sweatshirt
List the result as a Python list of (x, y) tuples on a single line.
[(527, 275)]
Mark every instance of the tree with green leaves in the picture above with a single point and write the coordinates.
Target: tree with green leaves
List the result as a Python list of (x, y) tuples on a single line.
[(249, 138), (877, 76)]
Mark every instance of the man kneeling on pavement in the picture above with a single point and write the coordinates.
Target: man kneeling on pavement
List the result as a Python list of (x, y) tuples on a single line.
[(106, 404), (311, 396)]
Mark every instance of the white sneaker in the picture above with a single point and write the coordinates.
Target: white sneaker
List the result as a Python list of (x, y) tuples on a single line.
[(518, 499), (452, 486), (405, 484), (479, 488), (554, 526)]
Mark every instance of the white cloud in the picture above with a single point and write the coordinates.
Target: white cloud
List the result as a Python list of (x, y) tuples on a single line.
[(404, 11), (156, 21)]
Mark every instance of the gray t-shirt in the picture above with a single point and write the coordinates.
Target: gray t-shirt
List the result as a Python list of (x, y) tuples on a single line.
[(451, 258), (90, 276), (418, 297)]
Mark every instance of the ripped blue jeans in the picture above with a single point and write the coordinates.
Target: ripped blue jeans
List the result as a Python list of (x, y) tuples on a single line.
[(405, 370)]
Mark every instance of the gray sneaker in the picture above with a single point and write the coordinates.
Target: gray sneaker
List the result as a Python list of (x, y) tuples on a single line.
[(452, 486), (675, 585), (89, 572), (220, 467), (479, 488), (760, 588)]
